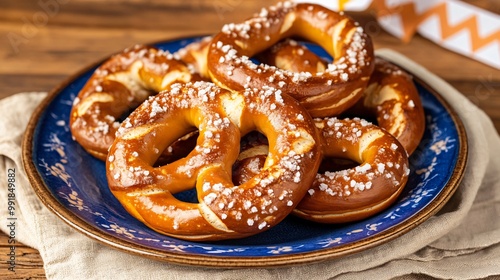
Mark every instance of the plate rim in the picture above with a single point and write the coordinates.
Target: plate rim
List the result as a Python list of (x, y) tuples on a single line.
[(50, 201)]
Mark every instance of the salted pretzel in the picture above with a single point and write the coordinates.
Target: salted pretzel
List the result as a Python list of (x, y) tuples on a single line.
[(223, 211), (345, 195), (362, 191), (391, 96), (115, 88), (322, 94), (288, 55)]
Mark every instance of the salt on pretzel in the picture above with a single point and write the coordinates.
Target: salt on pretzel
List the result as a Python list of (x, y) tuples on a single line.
[(223, 211), (391, 95), (362, 191), (322, 94), (393, 99), (350, 194), (116, 87), (293, 56)]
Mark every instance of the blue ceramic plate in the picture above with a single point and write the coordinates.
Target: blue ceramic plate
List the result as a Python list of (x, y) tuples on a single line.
[(73, 184)]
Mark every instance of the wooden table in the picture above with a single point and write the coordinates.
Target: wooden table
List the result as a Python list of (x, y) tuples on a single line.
[(42, 44)]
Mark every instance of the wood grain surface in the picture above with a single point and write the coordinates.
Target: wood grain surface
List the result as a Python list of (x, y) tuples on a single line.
[(43, 42)]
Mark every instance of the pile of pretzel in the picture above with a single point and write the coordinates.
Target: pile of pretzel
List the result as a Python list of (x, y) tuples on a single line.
[(257, 123)]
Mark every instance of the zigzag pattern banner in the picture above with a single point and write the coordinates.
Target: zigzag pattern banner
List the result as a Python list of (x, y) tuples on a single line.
[(455, 25)]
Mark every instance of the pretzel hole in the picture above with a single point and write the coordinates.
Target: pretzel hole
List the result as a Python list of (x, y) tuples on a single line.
[(178, 149), (189, 196), (332, 164), (292, 51), (318, 50), (251, 160)]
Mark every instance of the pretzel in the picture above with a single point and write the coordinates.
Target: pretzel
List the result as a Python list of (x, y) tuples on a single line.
[(323, 94), (116, 87), (254, 149), (345, 195), (393, 99), (391, 96), (223, 211), (194, 55), (360, 192), (293, 56)]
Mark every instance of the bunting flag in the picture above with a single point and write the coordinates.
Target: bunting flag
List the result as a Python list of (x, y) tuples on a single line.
[(452, 24)]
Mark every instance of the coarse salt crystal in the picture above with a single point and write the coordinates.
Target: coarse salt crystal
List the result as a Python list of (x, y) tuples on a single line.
[(262, 225), (209, 198), (381, 167), (206, 187)]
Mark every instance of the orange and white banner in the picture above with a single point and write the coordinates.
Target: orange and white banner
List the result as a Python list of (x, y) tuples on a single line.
[(455, 25)]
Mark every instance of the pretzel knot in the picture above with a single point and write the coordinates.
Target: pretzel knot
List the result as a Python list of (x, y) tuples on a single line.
[(352, 193), (391, 96), (223, 211), (119, 85), (359, 192), (326, 93)]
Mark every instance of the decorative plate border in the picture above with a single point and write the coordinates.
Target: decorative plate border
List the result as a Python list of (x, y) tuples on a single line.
[(114, 234)]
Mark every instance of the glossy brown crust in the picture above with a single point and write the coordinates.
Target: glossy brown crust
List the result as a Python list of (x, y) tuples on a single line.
[(362, 191), (195, 56), (393, 99), (48, 198), (254, 149), (117, 86), (349, 194), (323, 94), (391, 96), (224, 211), (291, 55)]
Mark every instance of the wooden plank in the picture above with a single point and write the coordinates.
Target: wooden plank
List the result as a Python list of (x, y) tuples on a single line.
[(28, 263), (14, 83)]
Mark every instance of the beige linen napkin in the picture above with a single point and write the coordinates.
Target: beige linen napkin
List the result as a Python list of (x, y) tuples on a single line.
[(461, 242)]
